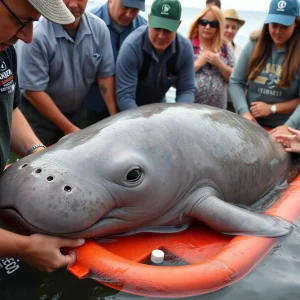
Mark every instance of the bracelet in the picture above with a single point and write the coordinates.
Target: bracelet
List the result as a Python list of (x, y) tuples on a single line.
[(35, 147)]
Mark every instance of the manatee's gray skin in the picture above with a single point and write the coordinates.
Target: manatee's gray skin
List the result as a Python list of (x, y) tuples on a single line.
[(157, 165)]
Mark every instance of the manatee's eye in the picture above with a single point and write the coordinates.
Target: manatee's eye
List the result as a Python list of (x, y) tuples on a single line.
[(134, 175)]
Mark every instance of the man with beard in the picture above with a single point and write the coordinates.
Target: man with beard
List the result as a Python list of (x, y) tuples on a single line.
[(58, 69), (121, 18), (16, 17)]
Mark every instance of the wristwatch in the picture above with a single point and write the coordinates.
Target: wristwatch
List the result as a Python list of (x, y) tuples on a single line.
[(273, 108)]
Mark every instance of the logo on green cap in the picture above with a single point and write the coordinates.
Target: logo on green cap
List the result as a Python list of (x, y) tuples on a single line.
[(165, 9), (165, 14)]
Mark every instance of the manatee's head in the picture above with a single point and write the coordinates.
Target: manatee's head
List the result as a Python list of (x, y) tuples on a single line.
[(90, 184)]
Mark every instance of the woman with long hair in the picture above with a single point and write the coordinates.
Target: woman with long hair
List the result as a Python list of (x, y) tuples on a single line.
[(214, 57), (265, 83)]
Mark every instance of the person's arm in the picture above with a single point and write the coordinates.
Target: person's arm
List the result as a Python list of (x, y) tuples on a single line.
[(45, 105), (262, 109), (126, 77), (225, 70), (106, 70), (238, 81), (107, 90), (287, 107), (22, 136), (215, 60), (293, 121), (200, 61), (40, 251), (185, 83)]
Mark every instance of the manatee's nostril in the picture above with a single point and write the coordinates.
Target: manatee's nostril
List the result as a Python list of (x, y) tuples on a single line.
[(68, 189), (50, 178), (24, 166), (38, 171)]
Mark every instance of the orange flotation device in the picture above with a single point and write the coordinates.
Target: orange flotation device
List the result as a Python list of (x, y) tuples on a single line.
[(212, 260)]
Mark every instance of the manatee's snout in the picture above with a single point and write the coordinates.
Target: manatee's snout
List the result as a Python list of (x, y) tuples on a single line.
[(51, 197)]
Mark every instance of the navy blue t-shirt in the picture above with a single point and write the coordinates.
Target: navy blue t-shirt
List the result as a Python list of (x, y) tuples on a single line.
[(9, 99)]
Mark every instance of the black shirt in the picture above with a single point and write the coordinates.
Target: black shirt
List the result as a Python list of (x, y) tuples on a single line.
[(9, 99)]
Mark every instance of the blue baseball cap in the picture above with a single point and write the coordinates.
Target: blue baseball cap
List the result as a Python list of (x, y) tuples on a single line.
[(283, 12), (139, 4)]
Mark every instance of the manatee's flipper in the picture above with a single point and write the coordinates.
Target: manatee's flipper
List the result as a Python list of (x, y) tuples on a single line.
[(230, 219)]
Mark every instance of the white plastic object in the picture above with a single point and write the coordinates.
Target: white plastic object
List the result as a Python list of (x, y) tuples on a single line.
[(157, 256)]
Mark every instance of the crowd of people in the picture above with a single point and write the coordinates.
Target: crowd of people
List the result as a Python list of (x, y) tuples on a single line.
[(81, 67)]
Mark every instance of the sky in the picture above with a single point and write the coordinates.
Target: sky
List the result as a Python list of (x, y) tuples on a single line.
[(252, 5)]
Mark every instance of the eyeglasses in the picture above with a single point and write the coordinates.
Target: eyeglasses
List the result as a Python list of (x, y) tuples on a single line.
[(212, 24), (23, 24)]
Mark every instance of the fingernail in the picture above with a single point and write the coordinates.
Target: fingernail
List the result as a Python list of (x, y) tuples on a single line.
[(80, 241)]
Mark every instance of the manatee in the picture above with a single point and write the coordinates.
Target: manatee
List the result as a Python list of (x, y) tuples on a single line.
[(160, 165)]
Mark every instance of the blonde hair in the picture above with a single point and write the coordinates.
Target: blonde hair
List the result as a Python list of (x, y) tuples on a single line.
[(263, 50), (219, 39)]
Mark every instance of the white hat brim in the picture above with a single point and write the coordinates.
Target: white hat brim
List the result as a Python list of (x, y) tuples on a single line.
[(54, 10)]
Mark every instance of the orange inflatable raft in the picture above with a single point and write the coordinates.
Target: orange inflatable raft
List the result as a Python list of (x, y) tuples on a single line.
[(206, 260)]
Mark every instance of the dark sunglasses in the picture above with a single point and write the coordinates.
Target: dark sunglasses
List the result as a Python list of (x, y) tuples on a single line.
[(23, 24), (212, 24)]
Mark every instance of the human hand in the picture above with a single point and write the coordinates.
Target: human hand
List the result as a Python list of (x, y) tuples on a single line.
[(200, 61), (290, 141), (212, 58), (249, 117), (44, 252), (260, 109), (283, 129)]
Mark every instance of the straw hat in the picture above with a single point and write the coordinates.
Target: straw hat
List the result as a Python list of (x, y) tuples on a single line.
[(233, 15), (54, 10)]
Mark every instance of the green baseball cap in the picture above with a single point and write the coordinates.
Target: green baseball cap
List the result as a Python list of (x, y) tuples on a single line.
[(165, 14)]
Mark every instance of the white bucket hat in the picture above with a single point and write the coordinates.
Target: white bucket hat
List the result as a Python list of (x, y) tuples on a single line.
[(54, 10)]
